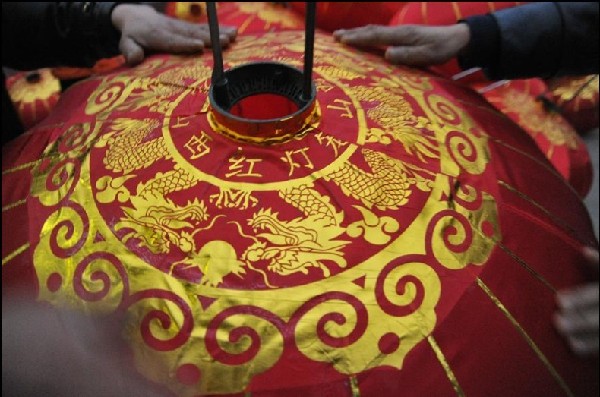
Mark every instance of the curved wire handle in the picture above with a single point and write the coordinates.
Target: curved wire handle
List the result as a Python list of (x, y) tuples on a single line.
[(219, 80), (309, 48), (213, 25)]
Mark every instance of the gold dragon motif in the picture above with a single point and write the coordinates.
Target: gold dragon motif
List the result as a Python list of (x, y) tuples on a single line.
[(299, 244), (128, 146), (386, 187)]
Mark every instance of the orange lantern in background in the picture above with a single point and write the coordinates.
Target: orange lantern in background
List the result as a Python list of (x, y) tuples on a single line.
[(191, 11), (345, 15), (259, 17), (577, 99), (34, 94), (395, 236), (248, 17)]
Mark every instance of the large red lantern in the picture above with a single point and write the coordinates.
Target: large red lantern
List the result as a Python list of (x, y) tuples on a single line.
[(397, 236)]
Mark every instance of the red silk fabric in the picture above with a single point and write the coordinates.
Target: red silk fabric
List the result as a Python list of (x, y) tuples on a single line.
[(410, 242)]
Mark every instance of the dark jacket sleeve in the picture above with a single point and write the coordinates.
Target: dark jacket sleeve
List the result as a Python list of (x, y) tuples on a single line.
[(50, 34), (534, 40)]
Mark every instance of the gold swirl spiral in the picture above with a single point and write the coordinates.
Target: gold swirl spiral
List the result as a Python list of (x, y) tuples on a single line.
[(442, 110), (110, 94), (54, 182), (467, 154)]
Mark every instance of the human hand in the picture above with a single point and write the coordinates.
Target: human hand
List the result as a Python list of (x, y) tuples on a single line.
[(144, 29), (577, 316), (412, 45)]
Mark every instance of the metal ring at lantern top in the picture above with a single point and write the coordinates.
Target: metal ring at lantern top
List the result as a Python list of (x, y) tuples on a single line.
[(260, 78), (230, 87)]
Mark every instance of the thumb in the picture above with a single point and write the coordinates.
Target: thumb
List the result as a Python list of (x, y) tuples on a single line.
[(132, 51)]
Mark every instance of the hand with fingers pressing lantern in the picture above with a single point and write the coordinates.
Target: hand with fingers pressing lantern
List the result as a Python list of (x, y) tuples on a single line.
[(144, 29)]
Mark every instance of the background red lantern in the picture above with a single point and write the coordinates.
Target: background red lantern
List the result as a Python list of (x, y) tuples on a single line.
[(577, 100), (191, 11), (345, 15), (34, 94)]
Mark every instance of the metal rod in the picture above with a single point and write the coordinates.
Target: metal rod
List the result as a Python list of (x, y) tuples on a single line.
[(309, 48), (213, 24), (219, 81)]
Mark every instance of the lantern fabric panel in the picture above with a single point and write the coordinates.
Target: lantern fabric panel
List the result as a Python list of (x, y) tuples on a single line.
[(394, 244), (19, 277), (445, 13), (19, 156)]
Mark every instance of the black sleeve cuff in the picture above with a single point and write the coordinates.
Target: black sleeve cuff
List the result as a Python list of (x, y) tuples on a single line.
[(484, 46), (97, 26), (103, 11), (85, 31)]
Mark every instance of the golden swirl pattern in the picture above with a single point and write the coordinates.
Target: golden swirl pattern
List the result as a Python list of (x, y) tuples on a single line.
[(69, 232), (110, 94), (57, 181), (94, 282), (465, 152), (444, 112), (230, 259)]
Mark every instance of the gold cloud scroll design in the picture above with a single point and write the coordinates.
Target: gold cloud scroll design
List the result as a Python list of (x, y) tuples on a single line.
[(224, 285)]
